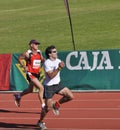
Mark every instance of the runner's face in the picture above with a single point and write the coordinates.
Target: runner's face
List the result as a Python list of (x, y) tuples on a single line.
[(54, 53), (34, 46)]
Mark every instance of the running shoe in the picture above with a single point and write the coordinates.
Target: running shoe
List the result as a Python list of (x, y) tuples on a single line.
[(41, 125), (56, 107), (17, 99)]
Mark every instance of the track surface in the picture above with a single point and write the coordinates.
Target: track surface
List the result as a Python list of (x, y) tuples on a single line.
[(88, 111)]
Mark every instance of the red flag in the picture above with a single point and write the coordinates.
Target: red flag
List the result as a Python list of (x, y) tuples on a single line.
[(5, 64)]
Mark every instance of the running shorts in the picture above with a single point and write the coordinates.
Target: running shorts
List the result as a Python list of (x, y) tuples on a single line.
[(50, 91), (32, 76)]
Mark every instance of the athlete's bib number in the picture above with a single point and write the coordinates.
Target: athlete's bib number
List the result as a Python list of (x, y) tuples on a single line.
[(36, 64)]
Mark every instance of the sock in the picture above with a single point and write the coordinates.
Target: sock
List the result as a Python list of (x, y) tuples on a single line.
[(57, 104), (43, 105)]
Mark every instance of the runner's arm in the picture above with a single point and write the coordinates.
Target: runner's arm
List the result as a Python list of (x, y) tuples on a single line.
[(53, 73), (22, 59)]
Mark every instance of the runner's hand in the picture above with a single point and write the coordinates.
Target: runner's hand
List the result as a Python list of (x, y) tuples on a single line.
[(61, 64)]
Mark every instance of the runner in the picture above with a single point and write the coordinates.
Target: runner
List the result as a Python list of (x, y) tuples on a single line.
[(33, 58), (52, 85)]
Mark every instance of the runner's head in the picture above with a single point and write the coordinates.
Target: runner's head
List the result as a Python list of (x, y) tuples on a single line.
[(51, 52)]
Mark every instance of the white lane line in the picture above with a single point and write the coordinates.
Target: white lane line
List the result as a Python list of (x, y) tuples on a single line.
[(49, 129), (83, 108), (55, 129), (31, 118), (77, 100), (78, 129)]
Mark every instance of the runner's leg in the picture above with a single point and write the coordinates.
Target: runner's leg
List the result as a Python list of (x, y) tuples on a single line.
[(40, 92), (67, 95)]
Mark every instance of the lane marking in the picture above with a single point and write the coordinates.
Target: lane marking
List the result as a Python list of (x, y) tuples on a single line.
[(49, 129), (76, 100), (31, 118), (68, 108)]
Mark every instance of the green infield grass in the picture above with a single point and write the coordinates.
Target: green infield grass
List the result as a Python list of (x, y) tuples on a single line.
[(96, 24)]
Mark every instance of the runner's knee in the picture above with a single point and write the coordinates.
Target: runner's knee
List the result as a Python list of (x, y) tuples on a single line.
[(70, 94), (41, 88)]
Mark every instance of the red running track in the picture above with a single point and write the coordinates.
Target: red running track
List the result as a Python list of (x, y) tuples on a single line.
[(88, 111)]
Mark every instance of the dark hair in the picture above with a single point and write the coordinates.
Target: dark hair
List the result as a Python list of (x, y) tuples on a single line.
[(49, 50)]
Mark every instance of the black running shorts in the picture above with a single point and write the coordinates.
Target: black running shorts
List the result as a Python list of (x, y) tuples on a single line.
[(49, 91)]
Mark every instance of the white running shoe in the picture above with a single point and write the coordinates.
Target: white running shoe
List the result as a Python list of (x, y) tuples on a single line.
[(41, 125)]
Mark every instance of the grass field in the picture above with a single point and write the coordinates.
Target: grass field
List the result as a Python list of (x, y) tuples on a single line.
[(96, 24)]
